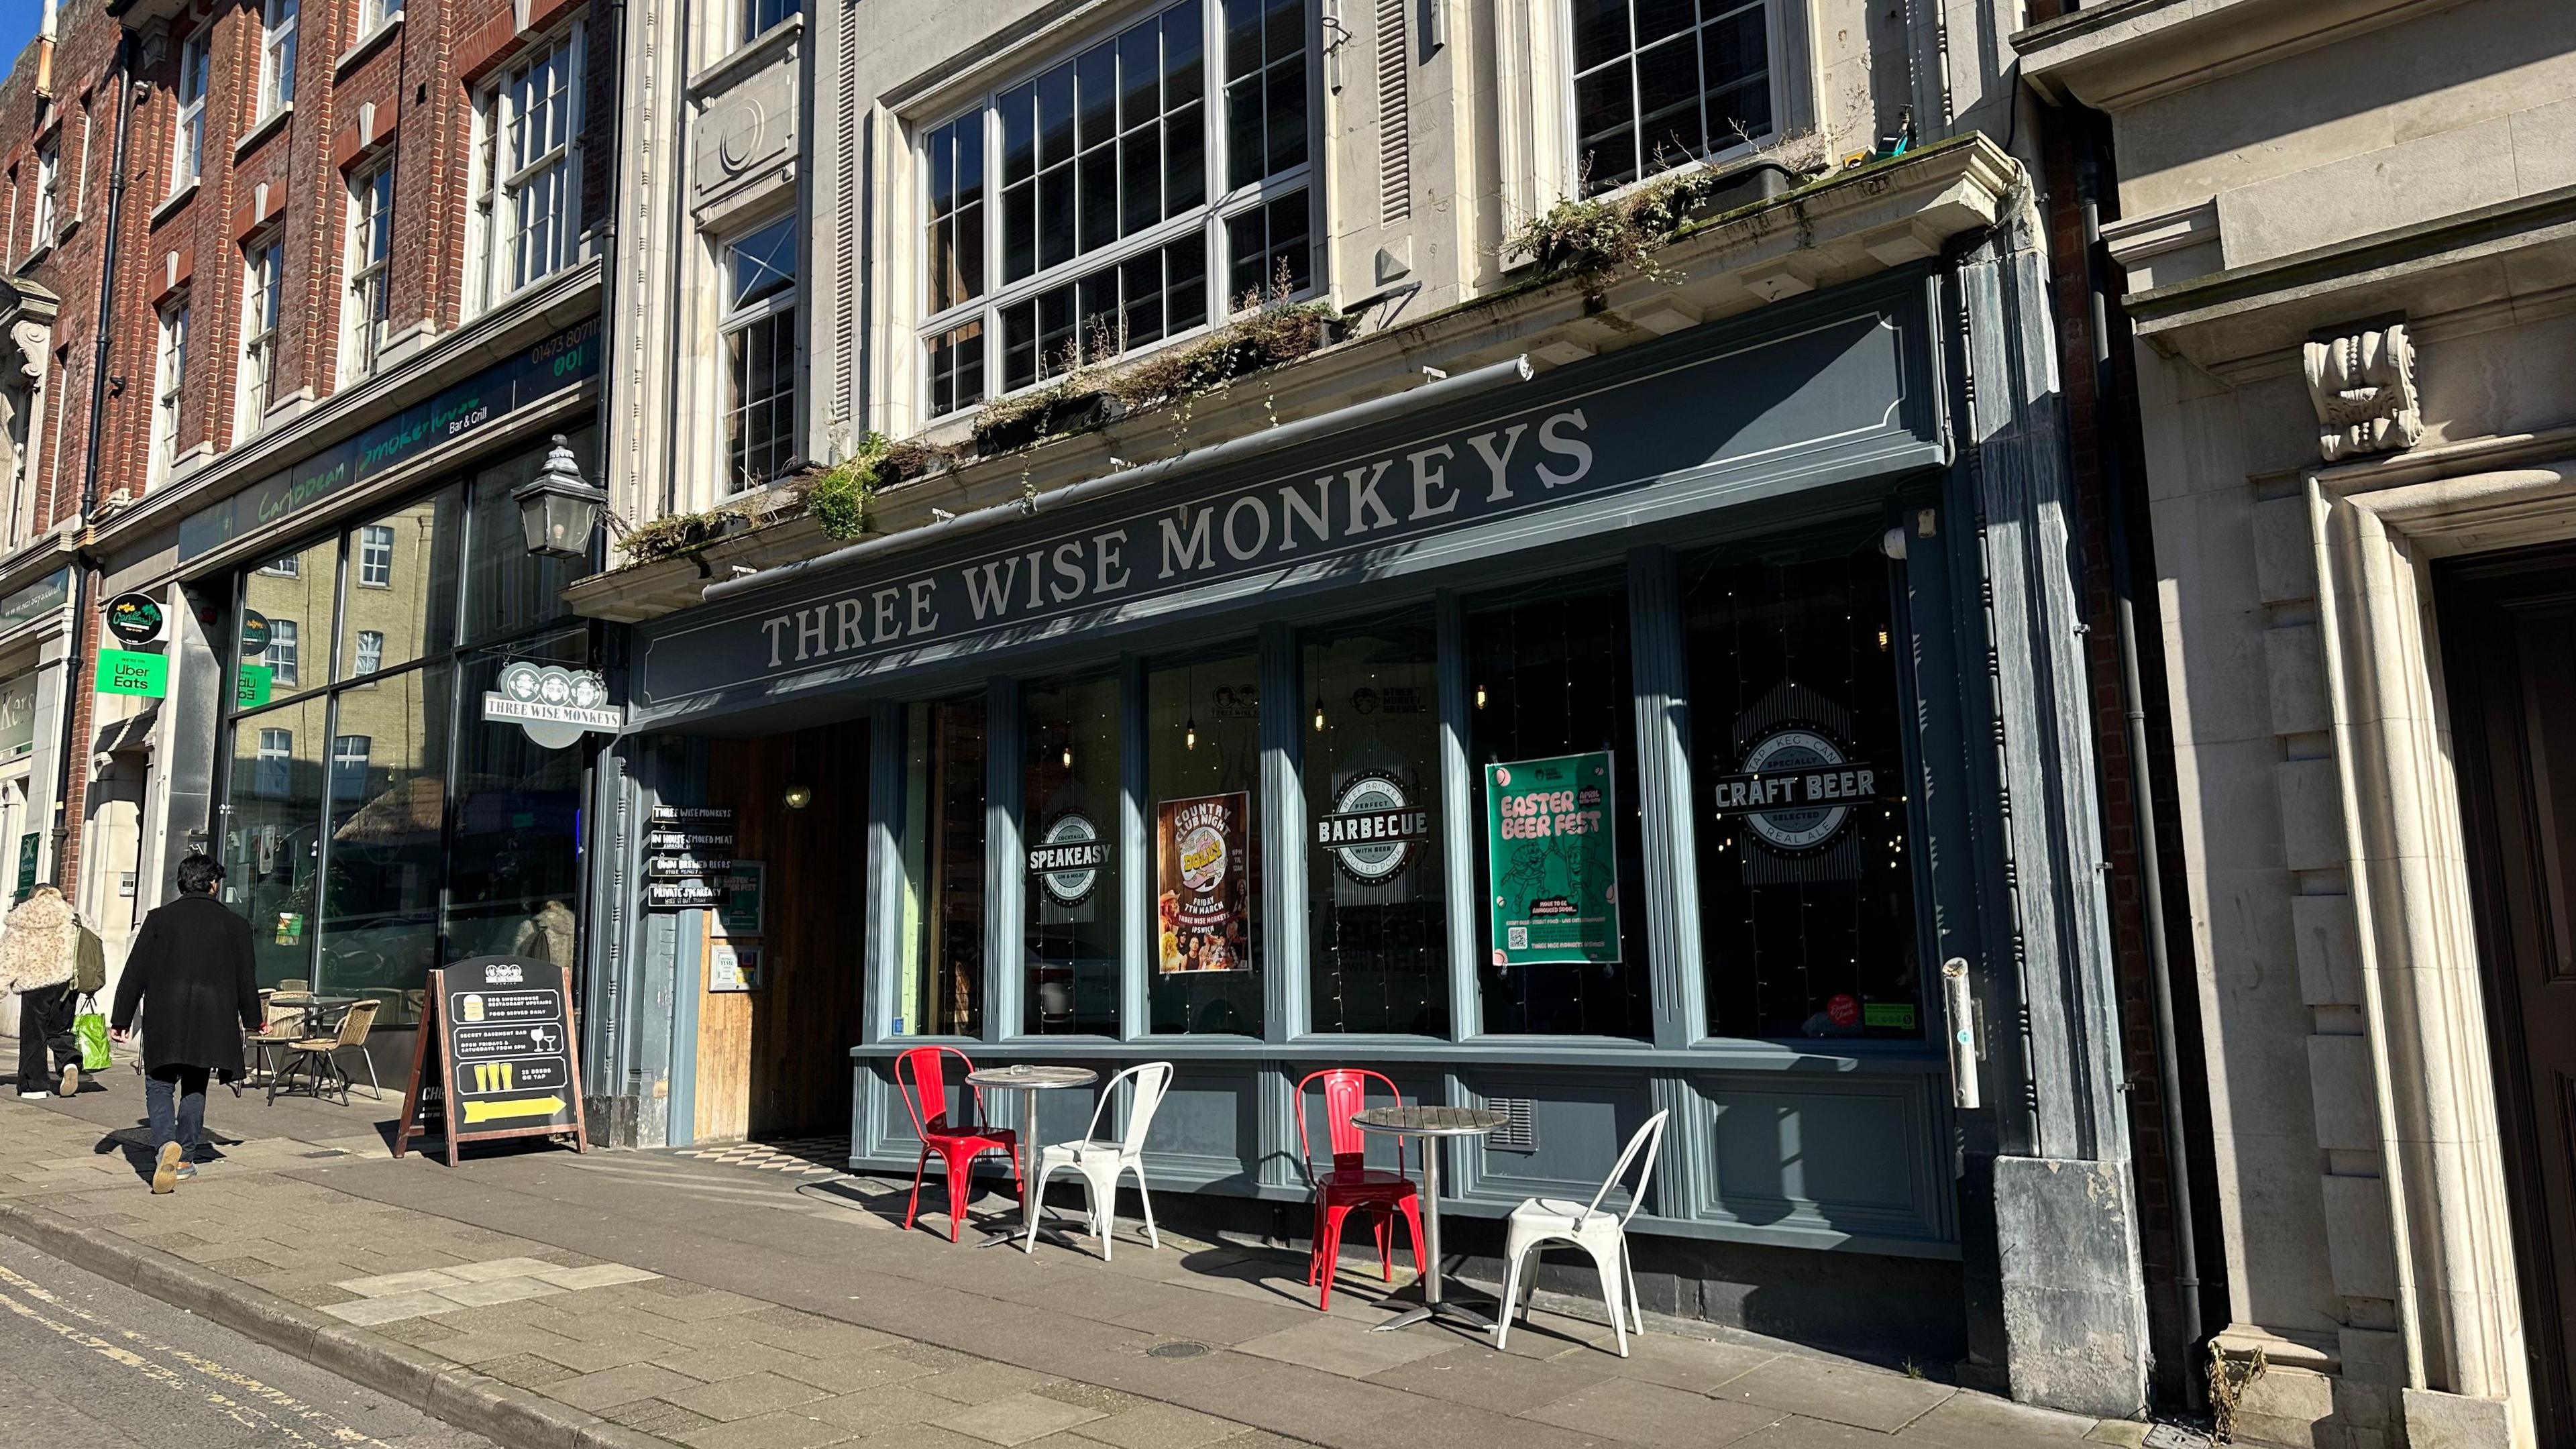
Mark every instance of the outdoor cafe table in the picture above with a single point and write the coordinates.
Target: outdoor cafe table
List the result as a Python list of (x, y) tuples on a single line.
[(1028, 1081), (1431, 1124)]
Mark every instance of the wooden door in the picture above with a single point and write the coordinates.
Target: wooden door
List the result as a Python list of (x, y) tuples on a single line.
[(2509, 630), (775, 1062)]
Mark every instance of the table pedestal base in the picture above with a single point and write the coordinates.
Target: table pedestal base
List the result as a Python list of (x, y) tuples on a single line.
[(1443, 1311)]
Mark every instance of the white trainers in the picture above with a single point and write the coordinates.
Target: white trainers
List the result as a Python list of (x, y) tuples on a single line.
[(70, 1086), (38, 1095), (165, 1172)]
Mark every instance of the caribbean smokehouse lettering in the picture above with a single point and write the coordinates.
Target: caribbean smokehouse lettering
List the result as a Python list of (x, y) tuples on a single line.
[(1271, 524)]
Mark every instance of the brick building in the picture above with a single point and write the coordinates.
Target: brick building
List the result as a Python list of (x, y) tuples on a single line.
[(355, 292)]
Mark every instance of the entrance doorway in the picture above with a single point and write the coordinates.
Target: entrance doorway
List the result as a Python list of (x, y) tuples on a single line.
[(774, 1059), (2507, 624)]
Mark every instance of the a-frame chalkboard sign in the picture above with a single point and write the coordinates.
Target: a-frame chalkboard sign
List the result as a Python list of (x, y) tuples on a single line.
[(496, 1052)]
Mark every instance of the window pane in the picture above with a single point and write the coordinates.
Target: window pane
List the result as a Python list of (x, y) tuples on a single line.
[(1284, 108), (1552, 678), (1070, 828), (1019, 231), (942, 990), (506, 588), (514, 854), (1185, 301), (1668, 128), (287, 605), (1184, 160), (1142, 167), (1659, 18), (273, 835), (1242, 38), (1140, 285), (957, 369), (1098, 171), (1140, 75), (1600, 31), (1184, 56), (1806, 879), (1605, 148), (388, 808), (1377, 903), (1018, 107), (763, 263), (1203, 777), (1245, 135), (1691, 79), (1055, 116), (1095, 96), (405, 599), (1055, 216)]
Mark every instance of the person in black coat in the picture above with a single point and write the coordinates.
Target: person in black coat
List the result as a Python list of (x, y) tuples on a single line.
[(192, 964)]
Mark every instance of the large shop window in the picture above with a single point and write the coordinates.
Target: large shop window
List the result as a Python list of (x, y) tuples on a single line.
[(374, 826), (1123, 187), (1660, 83), (1377, 906), (1070, 827), (1552, 729), (1203, 783), (942, 992), (1806, 878)]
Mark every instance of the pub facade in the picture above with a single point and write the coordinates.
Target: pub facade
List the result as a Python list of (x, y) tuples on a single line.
[(1577, 686)]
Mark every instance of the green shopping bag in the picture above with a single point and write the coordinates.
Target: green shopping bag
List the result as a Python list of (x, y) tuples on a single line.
[(90, 1025)]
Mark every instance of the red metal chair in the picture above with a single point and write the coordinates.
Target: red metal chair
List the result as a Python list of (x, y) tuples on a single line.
[(958, 1146), (1350, 1186)]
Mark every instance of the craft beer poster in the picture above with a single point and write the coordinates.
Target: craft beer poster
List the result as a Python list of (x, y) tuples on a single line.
[(1204, 909), (1553, 876)]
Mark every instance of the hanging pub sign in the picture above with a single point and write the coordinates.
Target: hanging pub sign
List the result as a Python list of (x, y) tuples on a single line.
[(1205, 903), (1553, 886), (555, 705), (135, 618), (1374, 828), (494, 1056), (1067, 859)]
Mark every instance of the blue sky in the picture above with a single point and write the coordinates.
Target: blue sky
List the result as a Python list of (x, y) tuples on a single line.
[(17, 26)]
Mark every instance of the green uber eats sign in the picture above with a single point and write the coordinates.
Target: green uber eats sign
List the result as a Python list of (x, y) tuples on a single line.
[(130, 671)]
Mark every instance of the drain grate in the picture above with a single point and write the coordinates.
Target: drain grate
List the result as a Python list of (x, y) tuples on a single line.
[(1179, 1348)]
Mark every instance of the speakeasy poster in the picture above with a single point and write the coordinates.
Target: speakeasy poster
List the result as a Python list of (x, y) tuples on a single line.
[(1204, 872), (1553, 872)]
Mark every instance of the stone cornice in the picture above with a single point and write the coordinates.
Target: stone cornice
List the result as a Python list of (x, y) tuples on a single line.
[(1835, 230), (2116, 56)]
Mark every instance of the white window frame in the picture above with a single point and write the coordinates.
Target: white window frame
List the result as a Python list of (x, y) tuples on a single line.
[(373, 15), (368, 655), (741, 318), (285, 653), (169, 384), (263, 302), (1222, 204), (375, 556), (275, 763), (350, 754), (279, 20), (366, 304), (188, 133), (49, 181), (505, 187), (289, 567)]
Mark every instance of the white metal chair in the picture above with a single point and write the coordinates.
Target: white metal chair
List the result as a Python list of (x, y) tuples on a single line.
[(1101, 1160), (1604, 1235)]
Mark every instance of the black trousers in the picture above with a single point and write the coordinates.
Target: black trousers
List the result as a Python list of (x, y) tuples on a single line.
[(45, 1021)]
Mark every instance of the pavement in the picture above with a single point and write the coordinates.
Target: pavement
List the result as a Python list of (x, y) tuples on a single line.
[(746, 1297), (96, 1365)]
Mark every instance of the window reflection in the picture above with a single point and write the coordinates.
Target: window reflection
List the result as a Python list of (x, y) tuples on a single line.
[(514, 849), (273, 834), (942, 992), (402, 599), (286, 609), (1548, 677), (388, 805), (507, 589), (1377, 905), (1203, 777), (1070, 829)]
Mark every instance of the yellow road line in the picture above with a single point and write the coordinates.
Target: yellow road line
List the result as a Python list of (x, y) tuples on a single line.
[(241, 1413)]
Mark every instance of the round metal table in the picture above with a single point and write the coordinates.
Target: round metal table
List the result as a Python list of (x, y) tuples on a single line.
[(1028, 1081), (1431, 1124)]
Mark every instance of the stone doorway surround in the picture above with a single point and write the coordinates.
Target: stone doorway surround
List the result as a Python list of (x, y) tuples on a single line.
[(2377, 527)]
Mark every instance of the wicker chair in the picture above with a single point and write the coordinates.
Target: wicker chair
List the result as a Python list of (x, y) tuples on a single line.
[(318, 1057)]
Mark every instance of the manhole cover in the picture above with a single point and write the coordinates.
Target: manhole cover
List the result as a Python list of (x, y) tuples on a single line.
[(1181, 1349)]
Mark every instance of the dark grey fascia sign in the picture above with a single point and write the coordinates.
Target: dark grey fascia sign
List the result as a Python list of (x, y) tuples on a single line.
[(1792, 399), (555, 705)]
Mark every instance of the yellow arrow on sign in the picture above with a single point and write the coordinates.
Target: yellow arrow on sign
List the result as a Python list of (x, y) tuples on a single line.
[(531, 1107)]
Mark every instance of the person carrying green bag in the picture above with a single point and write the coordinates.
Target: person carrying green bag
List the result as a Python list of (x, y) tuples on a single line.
[(50, 960)]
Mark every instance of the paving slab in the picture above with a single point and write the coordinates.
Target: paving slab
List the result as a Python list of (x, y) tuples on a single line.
[(1863, 1398), (1017, 1419), (1473, 1375), (1159, 1426), (1655, 1416), (1324, 1344)]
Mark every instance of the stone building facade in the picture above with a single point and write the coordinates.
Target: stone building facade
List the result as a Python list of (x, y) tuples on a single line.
[(2344, 232)]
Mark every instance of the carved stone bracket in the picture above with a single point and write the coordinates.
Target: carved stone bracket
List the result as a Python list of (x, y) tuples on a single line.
[(29, 341), (2363, 386)]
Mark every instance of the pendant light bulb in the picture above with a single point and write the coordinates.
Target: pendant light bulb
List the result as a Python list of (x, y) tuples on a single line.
[(1068, 757), (1190, 733), (1319, 714), (1480, 696)]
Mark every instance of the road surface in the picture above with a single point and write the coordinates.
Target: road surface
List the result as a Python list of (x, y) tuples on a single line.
[(92, 1365)]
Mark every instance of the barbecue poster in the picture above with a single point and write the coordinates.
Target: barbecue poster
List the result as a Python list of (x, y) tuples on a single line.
[(1553, 872), (1203, 870)]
